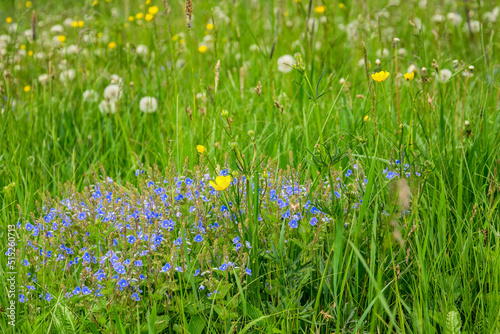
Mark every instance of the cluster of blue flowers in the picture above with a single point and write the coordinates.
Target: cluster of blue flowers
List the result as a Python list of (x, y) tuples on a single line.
[(126, 235)]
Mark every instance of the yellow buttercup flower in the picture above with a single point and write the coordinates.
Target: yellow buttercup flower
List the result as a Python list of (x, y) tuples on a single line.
[(175, 37), (29, 4), (131, 18), (23, 47), (210, 26), (221, 182), (201, 149), (148, 2), (409, 76), (61, 38), (139, 16), (74, 24), (149, 17), (320, 9), (341, 6), (30, 53), (8, 20), (112, 45), (366, 118), (81, 24), (380, 76), (27, 89), (202, 48), (95, 3), (153, 10)]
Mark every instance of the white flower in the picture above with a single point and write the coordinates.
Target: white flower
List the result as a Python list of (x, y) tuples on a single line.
[(141, 50), (492, 16), (67, 22), (12, 28), (475, 26), (402, 52), (68, 75), (285, 62), (412, 68), (40, 55), (70, 50), (112, 93), (106, 107), (444, 75), (57, 29), (116, 79), (4, 39), (454, 18), (148, 104), (438, 18), (43, 78), (90, 96)]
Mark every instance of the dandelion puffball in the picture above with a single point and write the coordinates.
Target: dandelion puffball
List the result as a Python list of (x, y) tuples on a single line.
[(285, 63), (148, 104), (106, 107), (43, 78), (141, 50), (67, 76), (112, 93), (90, 95), (444, 75)]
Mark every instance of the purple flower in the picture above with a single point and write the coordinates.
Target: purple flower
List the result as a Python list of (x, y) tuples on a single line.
[(293, 223), (135, 297), (390, 175), (198, 238), (248, 271), (313, 221)]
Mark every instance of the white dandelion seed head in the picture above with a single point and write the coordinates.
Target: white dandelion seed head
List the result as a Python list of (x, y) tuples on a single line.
[(40, 55), (112, 93), (90, 96), (475, 27), (454, 18), (5, 39), (412, 68), (70, 50), (285, 63), (148, 104), (438, 18), (12, 28), (57, 29), (106, 107), (67, 22), (491, 17), (444, 75), (43, 78), (116, 79), (67, 76), (141, 50)]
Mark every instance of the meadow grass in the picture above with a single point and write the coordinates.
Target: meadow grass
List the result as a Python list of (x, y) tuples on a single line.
[(391, 253)]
